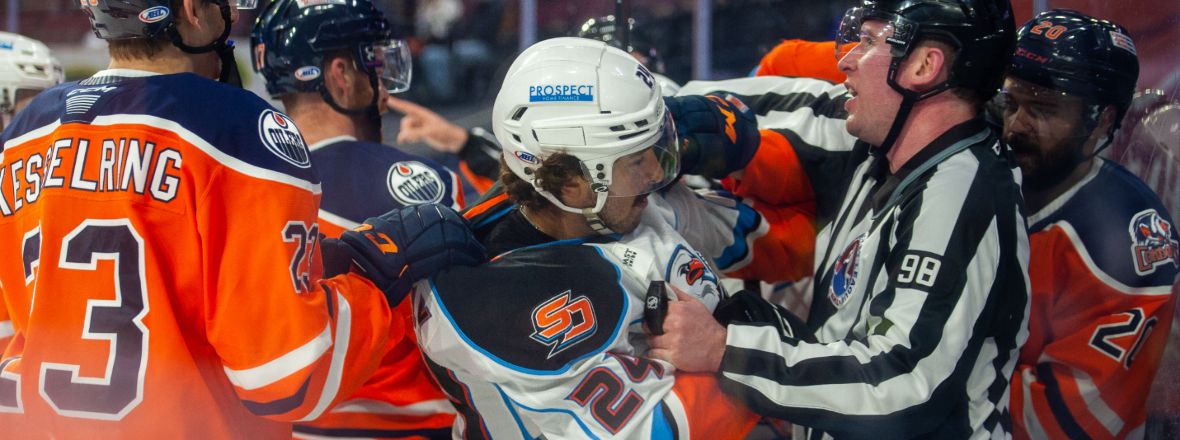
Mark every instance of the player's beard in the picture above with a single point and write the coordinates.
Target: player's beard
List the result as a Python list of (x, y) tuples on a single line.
[(1045, 169)]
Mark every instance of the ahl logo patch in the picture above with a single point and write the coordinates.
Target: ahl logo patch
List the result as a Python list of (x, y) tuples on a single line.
[(154, 14), (1152, 243), (688, 272), (562, 321), (281, 137), (412, 183), (845, 272), (307, 73), (527, 157)]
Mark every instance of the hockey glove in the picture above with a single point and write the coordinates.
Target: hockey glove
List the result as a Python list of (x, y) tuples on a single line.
[(408, 244), (719, 133), (746, 307)]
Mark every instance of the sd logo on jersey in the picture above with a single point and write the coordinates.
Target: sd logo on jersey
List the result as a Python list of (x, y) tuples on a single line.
[(281, 137), (688, 272), (412, 183), (562, 321), (1152, 243), (845, 272)]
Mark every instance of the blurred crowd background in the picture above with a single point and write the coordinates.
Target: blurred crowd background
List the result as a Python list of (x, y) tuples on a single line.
[(461, 49)]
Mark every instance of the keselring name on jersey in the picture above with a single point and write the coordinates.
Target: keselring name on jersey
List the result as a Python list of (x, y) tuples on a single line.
[(124, 164)]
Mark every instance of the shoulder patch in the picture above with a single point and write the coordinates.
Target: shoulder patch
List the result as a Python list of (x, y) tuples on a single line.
[(1152, 242), (411, 182), (688, 271), (279, 134)]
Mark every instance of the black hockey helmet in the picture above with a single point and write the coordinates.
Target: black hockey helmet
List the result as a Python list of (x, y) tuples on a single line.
[(129, 19), (292, 39), (605, 29), (982, 32), (1079, 55)]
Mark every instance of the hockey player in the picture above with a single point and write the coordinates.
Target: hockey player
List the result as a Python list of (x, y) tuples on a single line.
[(1104, 249), (161, 254), (324, 62), (26, 68), (921, 291), (588, 142)]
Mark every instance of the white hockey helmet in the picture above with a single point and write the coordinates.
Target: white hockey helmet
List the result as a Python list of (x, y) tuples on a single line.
[(589, 100), (25, 63)]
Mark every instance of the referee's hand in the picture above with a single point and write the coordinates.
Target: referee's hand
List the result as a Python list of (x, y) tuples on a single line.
[(692, 341)]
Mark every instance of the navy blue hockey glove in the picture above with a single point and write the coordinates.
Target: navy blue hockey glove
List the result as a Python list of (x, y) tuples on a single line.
[(403, 246), (746, 307), (719, 133)]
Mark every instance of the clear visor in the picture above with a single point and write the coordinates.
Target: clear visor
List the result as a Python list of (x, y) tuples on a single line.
[(245, 4), (1040, 108), (650, 169), (392, 59), (854, 35)]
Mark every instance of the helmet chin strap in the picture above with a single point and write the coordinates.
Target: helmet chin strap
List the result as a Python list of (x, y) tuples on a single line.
[(908, 99), (224, 48), (369, 112), (590, 214)]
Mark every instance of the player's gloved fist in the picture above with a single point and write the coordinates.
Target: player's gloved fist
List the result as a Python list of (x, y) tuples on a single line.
[(747, 307), (718, 132), (408, 244)]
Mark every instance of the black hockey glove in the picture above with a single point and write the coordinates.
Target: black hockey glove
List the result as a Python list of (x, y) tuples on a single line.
[(746, 307), (719, 134), (403, 246)]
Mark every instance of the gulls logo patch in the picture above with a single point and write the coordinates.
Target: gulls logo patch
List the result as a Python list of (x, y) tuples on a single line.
[(844, 273), (281, 137), (1152, 243), (412, 183), (688, 272)]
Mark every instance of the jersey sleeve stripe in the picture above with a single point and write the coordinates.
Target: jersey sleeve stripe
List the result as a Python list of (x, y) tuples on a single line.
[(748, 227), (32, 134), (339, 353), (279, 406), (337, 220), (662, 426), (1057, 405), (1094, 403), (223, 158), (283, 366), (367, 406), (1102, 275), (1032, 417)]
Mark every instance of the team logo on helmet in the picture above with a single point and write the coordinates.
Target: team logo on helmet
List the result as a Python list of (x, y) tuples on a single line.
[(412, 183), (305, 3), (563, 321), (1152, 242), (307, 73), (281, 137), (154, 14), (688, 272), (844, 273)]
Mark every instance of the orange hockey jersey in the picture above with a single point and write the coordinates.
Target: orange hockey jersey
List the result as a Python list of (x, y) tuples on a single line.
[(801, 58), (367, 179), (161, 264), (1104, 257)]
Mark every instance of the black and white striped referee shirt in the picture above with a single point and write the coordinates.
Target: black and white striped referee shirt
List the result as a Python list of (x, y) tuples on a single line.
[(920, 299)]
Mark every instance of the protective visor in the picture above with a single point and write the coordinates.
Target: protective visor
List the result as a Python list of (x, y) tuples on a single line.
[(852, 34), (649, 169), (245, 4), (394, 64), (1042, 108)]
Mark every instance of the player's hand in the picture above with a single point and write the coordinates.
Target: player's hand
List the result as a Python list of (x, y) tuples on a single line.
[(692, 340), (747, 307), (719, 134), (419, 124), (405, 245)]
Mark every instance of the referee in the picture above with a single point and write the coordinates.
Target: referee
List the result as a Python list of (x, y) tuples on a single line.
[(921, 290)]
